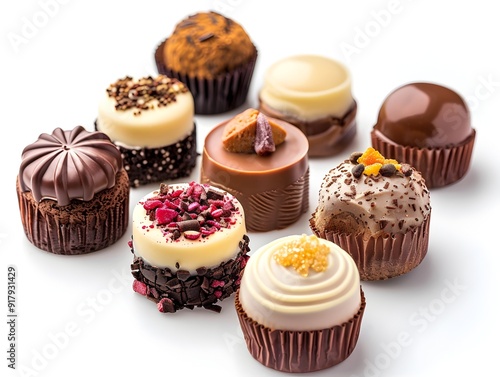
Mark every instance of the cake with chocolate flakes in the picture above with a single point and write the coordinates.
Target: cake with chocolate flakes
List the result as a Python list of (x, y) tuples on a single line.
[(313, 93), (73, 192), (190, 246), (300, 304), (378, 210), (429, 127), (151, 121), (264, 163), (214, 56)]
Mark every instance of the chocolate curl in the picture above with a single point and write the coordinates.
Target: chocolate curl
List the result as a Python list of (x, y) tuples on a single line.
[(264, 143)]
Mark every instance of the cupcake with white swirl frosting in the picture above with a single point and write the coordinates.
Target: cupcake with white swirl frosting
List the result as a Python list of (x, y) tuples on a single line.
[(300, 304)]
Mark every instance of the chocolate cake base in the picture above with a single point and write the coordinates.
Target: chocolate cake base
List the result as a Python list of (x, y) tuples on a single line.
[(176, 290), (327, 136), (213, 96), (79, 227), (152, 165)]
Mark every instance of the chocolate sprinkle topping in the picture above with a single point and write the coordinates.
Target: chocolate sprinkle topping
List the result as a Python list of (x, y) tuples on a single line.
[(129, 93)]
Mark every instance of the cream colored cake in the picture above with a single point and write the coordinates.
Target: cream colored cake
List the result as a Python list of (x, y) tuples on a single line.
[(157, 247), (308, 87), (149, 121), (300, 298)]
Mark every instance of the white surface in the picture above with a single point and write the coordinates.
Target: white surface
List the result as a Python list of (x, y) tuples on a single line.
[(440, 319)]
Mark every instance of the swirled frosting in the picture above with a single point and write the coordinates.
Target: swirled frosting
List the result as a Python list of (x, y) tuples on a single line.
[(67, 165), (376, 203), (281, 297)]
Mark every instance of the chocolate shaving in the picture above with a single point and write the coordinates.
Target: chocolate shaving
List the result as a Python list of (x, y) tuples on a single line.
[(206, 37)]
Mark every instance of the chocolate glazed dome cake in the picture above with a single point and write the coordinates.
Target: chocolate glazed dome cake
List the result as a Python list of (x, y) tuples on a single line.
[(73, 192), (429, 127)]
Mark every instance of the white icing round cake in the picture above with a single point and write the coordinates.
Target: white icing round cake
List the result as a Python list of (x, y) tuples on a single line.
[(187, 226), (308, 87), (146, 112), (300, 283)]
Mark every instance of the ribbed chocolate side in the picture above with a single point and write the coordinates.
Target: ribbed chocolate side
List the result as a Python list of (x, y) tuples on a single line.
[(79, 227), (272, 209), (383, 257), (300, 351), (176, 290), (213, 96), (439, 166)]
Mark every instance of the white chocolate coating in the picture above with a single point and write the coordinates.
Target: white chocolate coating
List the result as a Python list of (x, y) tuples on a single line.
[(152, 128), (382, 204), (308, 87), (151, 244), (280, 298)]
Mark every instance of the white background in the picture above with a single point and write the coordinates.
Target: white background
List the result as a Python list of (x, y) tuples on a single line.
[(78, 316)]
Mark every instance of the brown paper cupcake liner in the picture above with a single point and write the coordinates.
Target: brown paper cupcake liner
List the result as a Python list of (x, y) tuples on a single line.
[(80, 227), (439, 166), (213, 96), (300, 351), (385, 256)]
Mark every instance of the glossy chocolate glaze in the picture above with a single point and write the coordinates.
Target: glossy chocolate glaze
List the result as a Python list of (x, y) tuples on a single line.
[(67, 165), (424, 115), (273, 189), (327, 136)]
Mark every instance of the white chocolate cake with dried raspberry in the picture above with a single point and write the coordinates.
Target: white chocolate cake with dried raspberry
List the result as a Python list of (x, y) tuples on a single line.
[(151, 120), (190, 246)]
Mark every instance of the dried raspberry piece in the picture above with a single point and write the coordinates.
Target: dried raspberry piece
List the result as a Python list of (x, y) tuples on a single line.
[(165, 215), (140, 287)]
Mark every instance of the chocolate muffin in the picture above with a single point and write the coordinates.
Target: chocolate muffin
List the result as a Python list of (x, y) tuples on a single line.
[(214, 56), (73, 192), (429, 127)]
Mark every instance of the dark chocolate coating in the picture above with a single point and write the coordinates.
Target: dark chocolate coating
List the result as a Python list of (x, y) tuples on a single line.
[(424, 115)]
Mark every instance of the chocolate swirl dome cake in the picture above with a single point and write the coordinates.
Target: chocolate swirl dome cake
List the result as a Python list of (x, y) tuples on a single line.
[(73, 192), (190, 246), (429, 127), (264, 163), (151, 121)]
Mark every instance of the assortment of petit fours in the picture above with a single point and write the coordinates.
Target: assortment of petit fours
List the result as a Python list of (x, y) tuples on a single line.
[(298, 299)]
